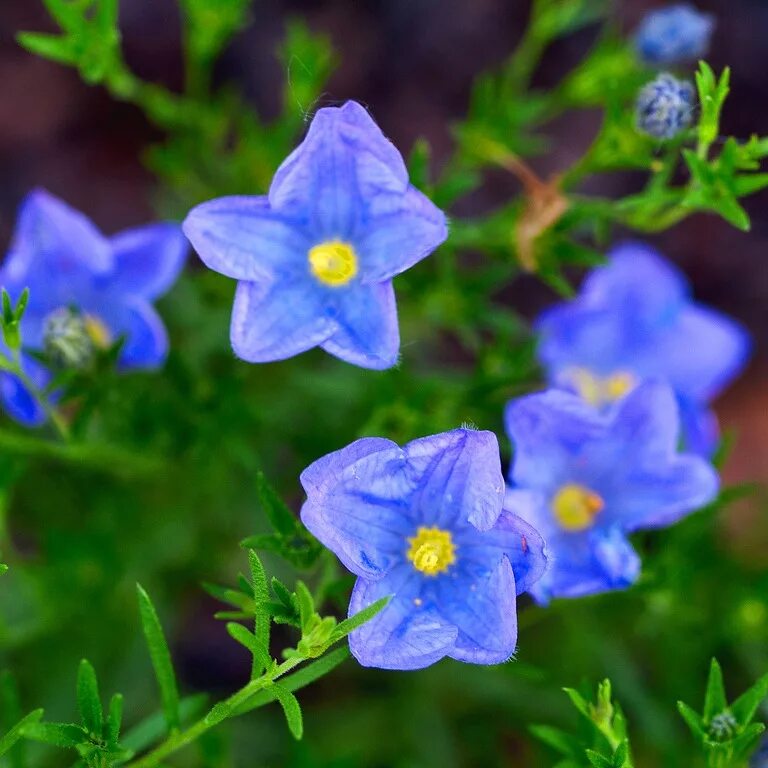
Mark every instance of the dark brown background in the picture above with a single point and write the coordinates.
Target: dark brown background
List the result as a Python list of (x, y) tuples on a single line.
[(412, 62)]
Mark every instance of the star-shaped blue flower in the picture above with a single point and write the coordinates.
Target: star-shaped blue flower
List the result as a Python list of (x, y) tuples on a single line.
[(633, 320), (426, 524), (315, 258), (674, 34), (585, 478), (78, 278)]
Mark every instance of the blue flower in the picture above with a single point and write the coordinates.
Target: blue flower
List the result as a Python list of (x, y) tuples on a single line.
[(664, 107), (584, 478), (315, 258), (426, 524), (633, 320), (86, 291), (674, 34)]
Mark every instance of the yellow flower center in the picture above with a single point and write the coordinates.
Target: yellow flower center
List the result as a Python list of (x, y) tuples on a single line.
[(333, 263), (432, 550), (600, 390), (98, 333), (576, 507)]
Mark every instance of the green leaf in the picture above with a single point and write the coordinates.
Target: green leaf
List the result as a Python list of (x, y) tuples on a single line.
[(53, 47), (292, 710), (277, 512), (343, 628), (746, 742), (8, 739), (715, 700), (114, 719), (560, 741), (712, 95), (88, 700), (578, 701), (597, 760), (692, 719), (161, 658), (154, 727), (65, 735), (306, 604), (744, 708), (262, 619)]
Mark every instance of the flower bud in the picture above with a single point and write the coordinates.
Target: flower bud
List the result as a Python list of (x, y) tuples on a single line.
[(664, 107), (674, 34), (66, 339)]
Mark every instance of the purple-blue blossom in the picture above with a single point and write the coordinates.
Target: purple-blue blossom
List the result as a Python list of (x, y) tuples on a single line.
[(314, 259), (86, 291), (635, 319), (426, 524), (585, 478), (664, 107), (674, 34)]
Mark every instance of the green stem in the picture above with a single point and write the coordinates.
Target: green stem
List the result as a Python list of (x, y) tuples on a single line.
[(218, 714), (56, 419)]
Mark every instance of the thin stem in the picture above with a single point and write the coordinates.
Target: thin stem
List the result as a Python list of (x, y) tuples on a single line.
[(228, 708)]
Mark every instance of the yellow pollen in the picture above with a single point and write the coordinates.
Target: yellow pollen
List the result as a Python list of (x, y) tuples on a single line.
[(97, 332), (600, 390), (576, 507), (333, 263), (432, 551)]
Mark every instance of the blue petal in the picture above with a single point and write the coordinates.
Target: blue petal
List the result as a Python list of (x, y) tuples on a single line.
[(344, 160), (482, 606), (511, 538), (276, 321), (243, 238), (700, 429), (148, 259), (368, 334), (146, 340), (357, 505), (16, 398), (459, 478), (402, 230), (56, 251), (587, 563), (404, 635), (550, 431), (702, 352)]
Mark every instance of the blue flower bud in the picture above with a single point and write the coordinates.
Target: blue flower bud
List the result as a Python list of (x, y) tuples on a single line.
[(723, 727), (674, 34), (66, 339), (664, 106)]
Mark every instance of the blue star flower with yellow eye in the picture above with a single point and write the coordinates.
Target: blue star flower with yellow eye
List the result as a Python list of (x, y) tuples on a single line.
[(634, 319), (315, 258), (425, 524), (674, 34), (85, 291), (585, 478)]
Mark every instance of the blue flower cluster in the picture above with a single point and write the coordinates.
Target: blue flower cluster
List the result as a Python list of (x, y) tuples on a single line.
[(674, 34), (431, 524), (664, 107)]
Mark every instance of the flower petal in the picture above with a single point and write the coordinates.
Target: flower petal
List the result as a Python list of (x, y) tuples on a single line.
[(343, 161), (148, 259), (16, 398), (458, 476), (146, 340), (242, 237), (402, 230), (279, 320), (511, 538), (357, 505), (587, 563), (404, 635), (482, 605), (368, 333), (700, 430)]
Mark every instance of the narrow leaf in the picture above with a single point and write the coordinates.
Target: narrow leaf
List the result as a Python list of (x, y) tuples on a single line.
[(279, 515), (8, 739), (744, 708), (88, 700), (153, 728), (115, 719), (353, 622), (714, 700), (161, 659), (262, 619), (292, 710), (306, 604), (66, 735), (53, 47), (692, 719)]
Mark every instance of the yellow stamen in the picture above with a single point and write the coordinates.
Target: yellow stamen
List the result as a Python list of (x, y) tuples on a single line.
[(432, 550), (576, 507), (333, 263), (97, 331), (601, 390)]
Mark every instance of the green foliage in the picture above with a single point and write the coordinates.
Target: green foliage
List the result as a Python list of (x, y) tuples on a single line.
[(725, 732)]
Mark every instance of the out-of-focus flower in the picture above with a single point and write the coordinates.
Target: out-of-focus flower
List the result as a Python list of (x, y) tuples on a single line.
[(584, 478), (633, 320), (85, 291), (426, 524), (664, 106), (674, 34), (315, 258), (760, 758)]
